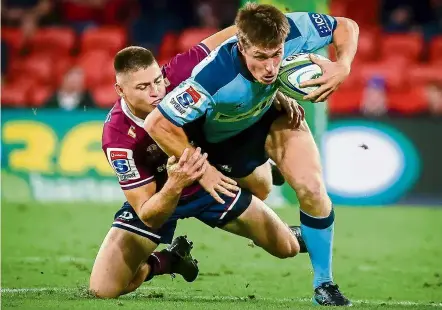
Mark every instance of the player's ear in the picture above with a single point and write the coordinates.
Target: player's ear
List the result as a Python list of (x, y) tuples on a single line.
[(119, 90), (241, 48)]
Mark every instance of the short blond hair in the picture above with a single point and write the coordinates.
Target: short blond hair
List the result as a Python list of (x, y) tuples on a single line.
[(261, 25)]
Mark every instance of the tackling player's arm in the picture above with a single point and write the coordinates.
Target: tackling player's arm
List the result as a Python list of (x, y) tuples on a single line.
[(215, 40), (184, 104), (155, 208)]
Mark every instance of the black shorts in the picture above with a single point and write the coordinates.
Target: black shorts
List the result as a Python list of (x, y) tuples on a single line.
[(200, 205), (240, 155)]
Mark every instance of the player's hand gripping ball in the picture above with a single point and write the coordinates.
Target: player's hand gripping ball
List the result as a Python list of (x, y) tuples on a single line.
[(296, 69)]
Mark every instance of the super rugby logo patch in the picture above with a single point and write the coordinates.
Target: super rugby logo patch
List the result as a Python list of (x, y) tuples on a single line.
[(189, 97), (184, 101), (123, 163)]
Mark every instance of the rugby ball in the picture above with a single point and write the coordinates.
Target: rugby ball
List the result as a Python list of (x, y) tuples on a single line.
[(296, 69)]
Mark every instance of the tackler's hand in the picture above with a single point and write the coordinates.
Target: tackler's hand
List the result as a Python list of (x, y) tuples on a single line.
[(293, 109), (215, 182), (188, 169)]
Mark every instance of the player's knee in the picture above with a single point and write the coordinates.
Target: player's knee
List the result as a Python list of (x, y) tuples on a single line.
[(288, 249), (105, 293), (262, 189), (104, 289)]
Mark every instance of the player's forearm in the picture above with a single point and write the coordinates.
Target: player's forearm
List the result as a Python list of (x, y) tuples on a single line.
[(171, 139), (345, 40), (155, 211)]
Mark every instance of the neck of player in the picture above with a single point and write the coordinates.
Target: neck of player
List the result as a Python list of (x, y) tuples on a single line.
[(138, 113)]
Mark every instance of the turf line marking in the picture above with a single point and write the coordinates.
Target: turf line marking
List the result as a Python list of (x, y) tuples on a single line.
[(59, 259), (14, 291)]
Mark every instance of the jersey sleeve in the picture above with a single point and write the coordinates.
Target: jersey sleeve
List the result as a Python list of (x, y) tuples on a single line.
[(131, 170), (314, 31), (180, 67), (186, 103)]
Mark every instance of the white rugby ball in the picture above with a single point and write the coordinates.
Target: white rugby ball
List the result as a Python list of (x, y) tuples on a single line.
[(296, 69)]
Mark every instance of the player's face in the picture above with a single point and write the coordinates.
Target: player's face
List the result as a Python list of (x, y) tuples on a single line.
[(144, 89), (263, 63)]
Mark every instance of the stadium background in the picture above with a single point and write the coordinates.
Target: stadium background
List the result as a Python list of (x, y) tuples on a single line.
[(59, 194), (57, 84)]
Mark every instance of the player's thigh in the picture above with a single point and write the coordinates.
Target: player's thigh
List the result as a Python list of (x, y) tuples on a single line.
[(259, 182), (295, 153), (121, 255), (264, 227)]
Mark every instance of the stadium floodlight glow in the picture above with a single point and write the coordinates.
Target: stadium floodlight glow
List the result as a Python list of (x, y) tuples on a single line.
[(379, 174)]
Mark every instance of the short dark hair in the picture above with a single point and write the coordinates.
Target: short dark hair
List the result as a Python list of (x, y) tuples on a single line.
[(261, 25), (133, 58)]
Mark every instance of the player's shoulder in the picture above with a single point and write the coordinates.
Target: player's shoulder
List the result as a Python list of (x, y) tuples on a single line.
[(301, 23), (218, 69), (118, 130)]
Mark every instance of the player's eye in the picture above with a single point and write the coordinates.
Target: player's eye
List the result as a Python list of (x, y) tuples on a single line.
[(158, 82), (261, 57), (142, 87)]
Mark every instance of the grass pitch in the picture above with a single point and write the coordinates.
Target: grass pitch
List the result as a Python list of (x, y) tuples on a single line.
[(385, 258)]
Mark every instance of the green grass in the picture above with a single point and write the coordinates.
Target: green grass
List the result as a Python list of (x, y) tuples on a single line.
[(389, 257)]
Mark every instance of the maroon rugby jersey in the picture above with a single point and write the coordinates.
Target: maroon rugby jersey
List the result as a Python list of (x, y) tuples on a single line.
[(131, 152)]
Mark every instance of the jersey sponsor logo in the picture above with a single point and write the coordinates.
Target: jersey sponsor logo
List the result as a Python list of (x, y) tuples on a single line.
[(123, 164), (132, 132), (254, 112), (126, 215), (189, 97), (179, 108), (321, 24), (161, 168), (225, 168)]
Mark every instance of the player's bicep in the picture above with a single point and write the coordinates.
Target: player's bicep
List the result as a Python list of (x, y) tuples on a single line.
[(130, 170), (186, 103), (139, 195), (316, 29), (216, 39)]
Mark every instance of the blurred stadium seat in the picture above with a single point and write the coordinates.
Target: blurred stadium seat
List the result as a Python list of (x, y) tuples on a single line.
[(406, 46), (39, 68), (93, 64), (56, 41), (39, 94), (168, 48), (193, 36), (345, 101), (15, 94), (13, 37), (105, 96), (368, 45), (60, 67), (436, 50), (424, 73), (394, 76), (407, 102), (111, 39)]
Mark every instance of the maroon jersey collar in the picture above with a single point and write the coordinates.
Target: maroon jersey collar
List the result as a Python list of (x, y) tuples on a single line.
[(128, 112)]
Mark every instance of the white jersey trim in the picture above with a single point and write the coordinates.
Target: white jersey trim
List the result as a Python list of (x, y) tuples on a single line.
[(128, 112)]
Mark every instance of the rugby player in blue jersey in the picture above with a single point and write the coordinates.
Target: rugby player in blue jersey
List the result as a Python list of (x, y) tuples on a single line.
[(229, 99)]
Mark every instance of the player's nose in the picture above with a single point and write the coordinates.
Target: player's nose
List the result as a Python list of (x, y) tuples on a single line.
[(269, 67), (154, 92)]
